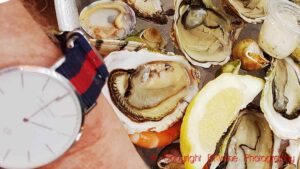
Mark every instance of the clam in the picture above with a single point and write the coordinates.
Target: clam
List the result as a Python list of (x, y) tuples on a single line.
[(202, 34), (249, 136), (149, 9), (280, 99), (252, 57), (149, 91), (108, 19), (252, 11)]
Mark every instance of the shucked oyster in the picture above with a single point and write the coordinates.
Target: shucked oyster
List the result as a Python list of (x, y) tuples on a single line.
[(252, 11), (108, 19), (248, 137), (280, 100), (149, 91), (202, 34)]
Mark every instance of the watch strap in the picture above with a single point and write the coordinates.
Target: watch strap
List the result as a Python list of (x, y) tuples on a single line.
[(83, 67)]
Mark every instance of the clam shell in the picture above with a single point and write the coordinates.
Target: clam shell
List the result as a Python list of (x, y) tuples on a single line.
[(108, 19)]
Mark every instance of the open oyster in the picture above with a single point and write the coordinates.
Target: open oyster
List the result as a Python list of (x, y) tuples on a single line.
[(149, 91), (248, 137), (108, 19), (149, 9), (252, 11), (202, 34), (280, 100)]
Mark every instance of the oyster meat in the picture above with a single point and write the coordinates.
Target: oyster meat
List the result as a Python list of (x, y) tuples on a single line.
[(248, 137), (252, 11), (149, 91), (280, 99), (149, 9), (202, 34), (108, 19)]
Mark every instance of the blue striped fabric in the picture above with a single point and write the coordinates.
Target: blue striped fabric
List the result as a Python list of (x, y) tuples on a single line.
[(75, 59)]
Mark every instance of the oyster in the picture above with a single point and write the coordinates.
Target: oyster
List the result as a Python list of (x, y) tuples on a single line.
[(252, 11), (149, 9), (149, 91), (106, 46), (108, 19), (248, 137), (202, 34), (280, 99)]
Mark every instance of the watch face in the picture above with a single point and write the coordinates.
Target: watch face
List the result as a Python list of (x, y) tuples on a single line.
[(40, 117)]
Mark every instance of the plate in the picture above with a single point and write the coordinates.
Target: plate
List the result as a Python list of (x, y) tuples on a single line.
[(67, 16)]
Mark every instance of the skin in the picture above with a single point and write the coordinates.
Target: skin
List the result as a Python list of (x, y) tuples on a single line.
[(104, 142)]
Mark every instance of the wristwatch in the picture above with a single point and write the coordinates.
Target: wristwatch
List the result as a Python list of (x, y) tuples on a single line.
[(42, 109)]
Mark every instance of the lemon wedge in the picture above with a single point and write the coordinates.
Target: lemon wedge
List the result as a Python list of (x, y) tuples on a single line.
[(210, 114)]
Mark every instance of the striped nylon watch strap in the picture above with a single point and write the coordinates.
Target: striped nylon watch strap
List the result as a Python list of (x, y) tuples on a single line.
[(82, 67)]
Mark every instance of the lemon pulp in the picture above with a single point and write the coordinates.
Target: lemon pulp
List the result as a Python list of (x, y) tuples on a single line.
[(219, 109)]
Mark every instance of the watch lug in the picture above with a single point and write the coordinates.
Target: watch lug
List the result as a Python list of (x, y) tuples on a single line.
[(58, 63), (86, 111)]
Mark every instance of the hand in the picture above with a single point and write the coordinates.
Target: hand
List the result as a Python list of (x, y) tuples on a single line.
[(104, 143)]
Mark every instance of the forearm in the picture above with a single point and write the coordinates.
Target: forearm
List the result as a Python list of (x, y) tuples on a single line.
[(104, 143), (22, 41)]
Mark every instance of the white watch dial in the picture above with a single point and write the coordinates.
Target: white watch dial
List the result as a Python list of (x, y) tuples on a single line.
[(40, 117)]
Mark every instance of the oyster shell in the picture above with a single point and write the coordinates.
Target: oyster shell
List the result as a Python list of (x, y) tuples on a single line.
[(149, 9), (202, 34), (252, 11), (108, 19), (149, 91), (249, 136), (280, 99), (106, 46), (293, 151)]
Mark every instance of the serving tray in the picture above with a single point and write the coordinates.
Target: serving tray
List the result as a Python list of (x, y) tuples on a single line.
[(67, 16)]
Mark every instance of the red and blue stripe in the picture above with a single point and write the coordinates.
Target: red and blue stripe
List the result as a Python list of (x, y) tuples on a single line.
[(85, 70)]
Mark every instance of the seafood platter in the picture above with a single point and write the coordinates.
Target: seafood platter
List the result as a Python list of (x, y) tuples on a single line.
[(200, 83)]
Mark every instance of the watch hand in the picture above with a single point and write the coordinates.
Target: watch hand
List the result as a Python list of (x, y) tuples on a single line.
[(45, 106), (40, 125), (46, 127)]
